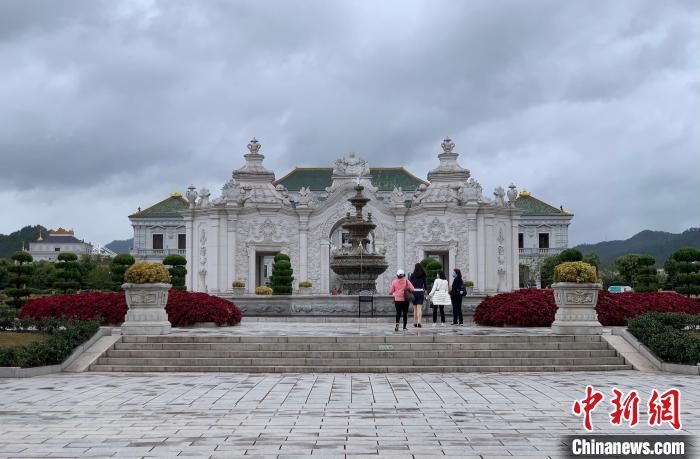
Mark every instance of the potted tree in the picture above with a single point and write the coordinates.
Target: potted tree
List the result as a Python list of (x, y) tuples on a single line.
[(238, 287), (576, 295), (305, 287), (146, 289)]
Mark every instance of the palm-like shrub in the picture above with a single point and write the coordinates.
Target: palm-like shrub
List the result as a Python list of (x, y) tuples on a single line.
[(19, 274), (118, 267), (145, 272), (67, 277), (281, 275), (176, 268)]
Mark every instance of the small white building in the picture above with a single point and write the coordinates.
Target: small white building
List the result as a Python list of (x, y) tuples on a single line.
[(543, 231), (159, 230), (57, 241)]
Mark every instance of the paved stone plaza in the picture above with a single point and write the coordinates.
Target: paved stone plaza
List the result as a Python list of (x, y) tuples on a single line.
[(222, 415)]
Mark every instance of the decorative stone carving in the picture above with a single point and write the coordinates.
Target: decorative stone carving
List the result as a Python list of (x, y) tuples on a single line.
[(499, 194), (512, 194), (435, 194), (576, 314), (305, 198), (191, 196), (254, 146), (447, 145), (203, 202), (397, 198), (351, 166), (472, 191), (203, 259)]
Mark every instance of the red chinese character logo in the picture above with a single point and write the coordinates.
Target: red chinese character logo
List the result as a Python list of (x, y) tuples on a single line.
[(587, 405), (665, 407), (627, 409)]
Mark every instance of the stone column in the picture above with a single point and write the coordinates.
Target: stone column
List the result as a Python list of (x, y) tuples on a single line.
[(515, 253), (489, 261), (473, 255), (231, 228), (304, 243), (250, 283), (325, 266), (481, 253), (400, 215), (189, 253)]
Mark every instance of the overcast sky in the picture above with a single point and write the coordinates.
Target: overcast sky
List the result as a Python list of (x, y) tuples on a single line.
[(106, 106)]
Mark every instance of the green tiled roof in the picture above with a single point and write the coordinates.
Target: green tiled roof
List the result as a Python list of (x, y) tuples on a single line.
[(533, 206), (318, 178), (169, 207)]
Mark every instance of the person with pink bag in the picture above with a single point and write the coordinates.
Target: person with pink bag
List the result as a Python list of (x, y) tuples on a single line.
[(401, 289)]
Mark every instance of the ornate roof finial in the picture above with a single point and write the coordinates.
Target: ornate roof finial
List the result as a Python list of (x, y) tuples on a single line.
[(254, 146), (448, 145)]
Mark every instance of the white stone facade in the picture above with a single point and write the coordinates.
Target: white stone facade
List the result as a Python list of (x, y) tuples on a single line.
[(57, 241), (449, 216)]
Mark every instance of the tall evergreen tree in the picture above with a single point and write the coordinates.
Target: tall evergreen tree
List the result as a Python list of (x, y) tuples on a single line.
[(20, 273), (281, 275)]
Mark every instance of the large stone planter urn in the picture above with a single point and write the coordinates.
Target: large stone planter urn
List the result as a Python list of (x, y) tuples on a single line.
[(576, 314), (238, 291), (146, 314)]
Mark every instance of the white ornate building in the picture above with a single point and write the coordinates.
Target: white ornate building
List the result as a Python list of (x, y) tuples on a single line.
[(447, 216), (57, 241)]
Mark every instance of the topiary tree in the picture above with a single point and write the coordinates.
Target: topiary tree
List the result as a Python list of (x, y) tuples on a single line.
[(627, 266), (118, 267), (67, 275), (281, 279), (19, 275), (570, 255), (432, 267), (645, 278), (683, 269), (176, 268)]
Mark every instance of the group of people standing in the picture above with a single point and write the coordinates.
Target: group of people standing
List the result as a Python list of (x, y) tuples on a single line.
[(413, 289)]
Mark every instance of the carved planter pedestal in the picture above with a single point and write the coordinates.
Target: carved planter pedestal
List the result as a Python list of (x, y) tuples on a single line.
[(146, 314), (238, 291), (576, 314), (305, 290)]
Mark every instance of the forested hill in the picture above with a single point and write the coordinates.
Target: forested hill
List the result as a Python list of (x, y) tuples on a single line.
[(658, 244), (11, 243), (121, 246)]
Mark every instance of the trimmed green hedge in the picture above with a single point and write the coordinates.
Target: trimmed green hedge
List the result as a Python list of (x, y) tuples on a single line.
[(668, 335), (64, 337)]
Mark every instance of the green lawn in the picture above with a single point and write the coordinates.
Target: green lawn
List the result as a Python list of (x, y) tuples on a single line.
[(11, 339)]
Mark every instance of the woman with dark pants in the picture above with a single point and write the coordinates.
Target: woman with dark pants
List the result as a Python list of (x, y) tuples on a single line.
[(397, 290), (456, 297), (418, 279)]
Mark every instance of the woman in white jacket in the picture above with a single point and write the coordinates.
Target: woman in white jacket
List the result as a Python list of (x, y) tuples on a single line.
[(440, 297)]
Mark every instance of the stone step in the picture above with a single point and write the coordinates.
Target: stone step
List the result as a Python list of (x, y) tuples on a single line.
[(360, 346), (368, 362), (341, 354), (389, 339), (340, 369)]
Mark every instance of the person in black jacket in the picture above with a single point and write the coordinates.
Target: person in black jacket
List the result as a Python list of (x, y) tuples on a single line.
[(456, 297), (419, 280)]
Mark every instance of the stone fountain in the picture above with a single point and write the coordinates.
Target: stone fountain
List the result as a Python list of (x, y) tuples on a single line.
[(357, 264)]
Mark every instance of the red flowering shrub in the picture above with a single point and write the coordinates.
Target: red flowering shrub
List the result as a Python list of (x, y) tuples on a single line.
[(183, 308), (107, 307), (536, 308)]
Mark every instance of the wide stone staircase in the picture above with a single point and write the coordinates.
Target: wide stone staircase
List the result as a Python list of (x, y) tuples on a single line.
[(360, 354)]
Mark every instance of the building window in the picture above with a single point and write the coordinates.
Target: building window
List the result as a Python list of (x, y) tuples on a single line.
[(56, 249), (344, 238), (521, 242), (544, 240), (157, 242), (181, 241)]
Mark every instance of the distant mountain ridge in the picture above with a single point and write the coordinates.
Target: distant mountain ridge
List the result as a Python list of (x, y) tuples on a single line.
[(121, 246), (658, 244)]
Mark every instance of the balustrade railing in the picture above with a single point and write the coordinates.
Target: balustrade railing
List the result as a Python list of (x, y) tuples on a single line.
[(540, 252), (157, 252)]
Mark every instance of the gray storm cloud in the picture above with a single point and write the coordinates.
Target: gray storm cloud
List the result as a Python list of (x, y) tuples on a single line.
[(107, 106)]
